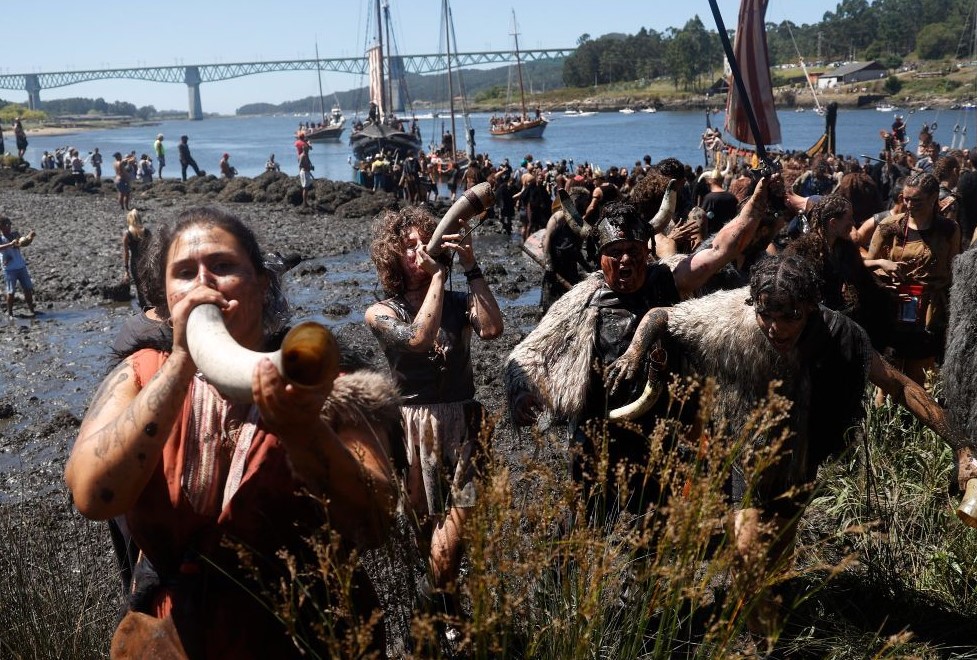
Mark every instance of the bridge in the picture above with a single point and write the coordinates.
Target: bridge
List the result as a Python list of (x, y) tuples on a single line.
[(193, 75)]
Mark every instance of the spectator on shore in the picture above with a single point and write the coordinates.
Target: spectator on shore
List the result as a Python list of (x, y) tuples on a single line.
[(146, 170), (21, 137), (160, 155), (186, 160), (96, 158), (15, 266), (272, 165), (305, 174), (226, 170), (134, 241), (123, 180)]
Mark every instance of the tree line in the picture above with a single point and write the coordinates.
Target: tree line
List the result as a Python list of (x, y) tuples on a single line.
[(890, 31)]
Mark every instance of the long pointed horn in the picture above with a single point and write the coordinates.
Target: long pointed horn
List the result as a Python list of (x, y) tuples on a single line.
[(575, 221), (475, 200), (309, 356), (667, 209)]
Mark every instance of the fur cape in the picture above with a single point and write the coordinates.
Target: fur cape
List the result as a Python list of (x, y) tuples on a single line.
[(553, 361), (960, 360)]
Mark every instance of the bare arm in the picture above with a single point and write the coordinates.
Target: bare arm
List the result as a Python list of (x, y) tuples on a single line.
[(694, 271), (484, 312), (419, 336), (122, 436), (914, 398)]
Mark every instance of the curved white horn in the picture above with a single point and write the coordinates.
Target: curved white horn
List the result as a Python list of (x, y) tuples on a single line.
[(967, 511), (309, 356), (667, 208), (475, 200), (657, 363)]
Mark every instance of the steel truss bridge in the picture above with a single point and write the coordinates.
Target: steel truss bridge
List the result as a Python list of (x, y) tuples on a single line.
[(195, 74)]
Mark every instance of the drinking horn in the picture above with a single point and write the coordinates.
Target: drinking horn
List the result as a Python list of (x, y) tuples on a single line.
[(667, 209), (308, 358), (475, 200)]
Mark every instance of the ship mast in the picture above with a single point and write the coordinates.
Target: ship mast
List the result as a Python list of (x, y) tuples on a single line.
[(522, 91)]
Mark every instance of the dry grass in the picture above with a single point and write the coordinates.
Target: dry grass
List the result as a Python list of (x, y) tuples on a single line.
[(883, 567)]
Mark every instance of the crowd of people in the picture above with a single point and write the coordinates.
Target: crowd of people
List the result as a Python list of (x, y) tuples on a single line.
[(825, 273)]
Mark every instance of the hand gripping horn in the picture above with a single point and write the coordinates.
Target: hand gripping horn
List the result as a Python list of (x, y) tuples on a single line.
[(309, 356), (475, 200)]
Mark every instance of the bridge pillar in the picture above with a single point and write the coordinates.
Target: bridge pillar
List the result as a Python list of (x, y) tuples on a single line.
[(191, 77), (33, 88)]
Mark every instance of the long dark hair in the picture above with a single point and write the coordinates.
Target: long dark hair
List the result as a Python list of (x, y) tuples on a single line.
[(153, 267)]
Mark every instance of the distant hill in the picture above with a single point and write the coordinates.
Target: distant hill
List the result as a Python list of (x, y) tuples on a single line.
[(426, 91)]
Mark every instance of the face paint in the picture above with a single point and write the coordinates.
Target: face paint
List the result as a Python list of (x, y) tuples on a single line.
[(624, 264)]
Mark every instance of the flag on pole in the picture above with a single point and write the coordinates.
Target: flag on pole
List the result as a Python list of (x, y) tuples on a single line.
[(750, 50)]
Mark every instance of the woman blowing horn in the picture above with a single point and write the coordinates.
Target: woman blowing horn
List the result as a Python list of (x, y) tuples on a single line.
[(425, 333), (201, 479)]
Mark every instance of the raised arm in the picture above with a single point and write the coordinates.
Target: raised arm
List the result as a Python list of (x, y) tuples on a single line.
[(420, 335), (484, 312), (729, 242)]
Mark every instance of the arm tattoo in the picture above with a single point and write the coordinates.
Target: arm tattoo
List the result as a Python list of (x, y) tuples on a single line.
[(391, 331), (105, 391)]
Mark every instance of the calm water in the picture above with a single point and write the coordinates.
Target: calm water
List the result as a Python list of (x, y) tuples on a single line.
[(607, 138)]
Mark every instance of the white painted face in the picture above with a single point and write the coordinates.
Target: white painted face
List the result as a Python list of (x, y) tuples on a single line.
[(206, 255)]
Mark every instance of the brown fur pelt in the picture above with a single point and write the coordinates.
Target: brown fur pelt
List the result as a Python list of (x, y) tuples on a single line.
[(367, 399), (553, 361)]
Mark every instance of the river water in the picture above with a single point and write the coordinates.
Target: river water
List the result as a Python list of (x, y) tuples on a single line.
[(605, 138)]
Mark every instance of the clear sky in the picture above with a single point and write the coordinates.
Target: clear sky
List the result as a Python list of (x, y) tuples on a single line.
[(81, 35)]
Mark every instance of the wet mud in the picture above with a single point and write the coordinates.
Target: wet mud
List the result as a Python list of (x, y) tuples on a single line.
[(51, 365)]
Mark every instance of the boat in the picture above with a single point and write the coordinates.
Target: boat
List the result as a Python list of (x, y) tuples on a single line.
[(331, 127), (522, 126), (383, 131), (649, 110), (627, 111), (885, 107)]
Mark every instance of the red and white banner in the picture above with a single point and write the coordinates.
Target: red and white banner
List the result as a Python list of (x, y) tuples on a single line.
[(750, 50)]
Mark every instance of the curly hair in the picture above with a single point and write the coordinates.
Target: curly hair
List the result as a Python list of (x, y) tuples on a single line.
[(790, 278), (828, 207), (390, 228), (152, 268), (672, 168)]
